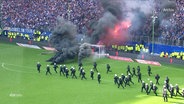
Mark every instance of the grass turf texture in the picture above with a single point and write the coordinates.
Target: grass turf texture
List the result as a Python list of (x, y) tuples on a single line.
[(21, 84)]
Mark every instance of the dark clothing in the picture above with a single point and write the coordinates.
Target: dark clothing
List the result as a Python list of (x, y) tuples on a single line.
[(157, 77), (130, 79), (128, 70), (64, 68), (171, 90), (138, 69), (92, 74), (155, 90), (127, 81), (133, 71), (143, 86), (151, 87), (95, 67), (55, 68), (178, 91), (165, 95), (83, 75), (167, 86), (48, 70), (115, 80), (123, 78), (99, 78), (147, 89), (66, 72), (108, 68), (167, 79), (61, 71), (120, 83), (73, 73), (139, 77), (38, 67), (149, 71), (81, 70)]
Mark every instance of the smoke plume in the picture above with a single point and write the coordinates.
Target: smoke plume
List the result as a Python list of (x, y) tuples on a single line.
[(84, 51), (120, 19), (63, 40)]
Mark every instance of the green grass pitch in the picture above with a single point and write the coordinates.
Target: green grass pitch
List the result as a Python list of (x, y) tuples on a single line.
[(21, 84)]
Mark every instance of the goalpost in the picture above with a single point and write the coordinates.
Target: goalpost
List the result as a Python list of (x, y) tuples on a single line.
[(98, 50)]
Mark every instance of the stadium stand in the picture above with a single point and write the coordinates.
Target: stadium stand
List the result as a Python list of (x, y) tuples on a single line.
[(42, 15), (35, 19)]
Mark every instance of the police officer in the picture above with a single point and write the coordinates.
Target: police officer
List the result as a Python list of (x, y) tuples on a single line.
[(166, 85), (123, 77), (127, 81), (66, 72), (115, 79), (92, 74), (157, 77), (120, 82), (128, 70), (83, 75), (61, 70), (73, 73), (38, 66), (48, 70), (139, 77), (95, 66), (165, 95), (149, 70), (143, 86), (108, 68), (155, 89), (151, 86), (138, 69), (171, 90), (81, 70), (99, 78), (147, 88), (167, 79), (55, 67), (71, 69), (178, 90), (133, 71), (130, 78), (64, 68)]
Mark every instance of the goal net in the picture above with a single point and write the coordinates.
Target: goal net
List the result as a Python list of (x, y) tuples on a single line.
[(98, 50)]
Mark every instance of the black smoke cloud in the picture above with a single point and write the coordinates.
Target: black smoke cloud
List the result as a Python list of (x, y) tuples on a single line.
[(63, 40)]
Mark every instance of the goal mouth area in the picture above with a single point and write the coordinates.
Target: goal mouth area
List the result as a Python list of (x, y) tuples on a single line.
[(98, 50)]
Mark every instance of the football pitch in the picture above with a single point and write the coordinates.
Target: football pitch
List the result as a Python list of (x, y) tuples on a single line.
[(20, 83)]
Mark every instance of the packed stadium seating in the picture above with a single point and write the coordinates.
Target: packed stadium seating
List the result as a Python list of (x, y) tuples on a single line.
[(42, 15)]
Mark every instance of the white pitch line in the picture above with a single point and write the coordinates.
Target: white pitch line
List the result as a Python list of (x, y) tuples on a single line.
[(3, 66), (19, 66)]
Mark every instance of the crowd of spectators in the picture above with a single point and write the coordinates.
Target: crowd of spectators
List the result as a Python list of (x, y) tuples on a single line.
[(174, 27), (42, 14)]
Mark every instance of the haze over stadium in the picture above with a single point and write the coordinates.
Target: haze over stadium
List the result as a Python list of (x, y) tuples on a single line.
[(71, 51)]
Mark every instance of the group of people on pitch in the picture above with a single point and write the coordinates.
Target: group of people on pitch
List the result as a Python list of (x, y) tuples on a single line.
[(122, 81)]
